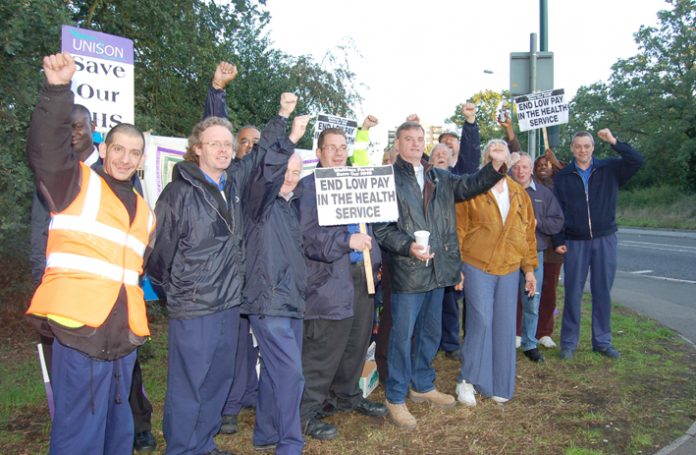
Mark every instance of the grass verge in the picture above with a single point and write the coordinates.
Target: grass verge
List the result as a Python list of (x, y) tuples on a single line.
[(590, 405), (657, 207)]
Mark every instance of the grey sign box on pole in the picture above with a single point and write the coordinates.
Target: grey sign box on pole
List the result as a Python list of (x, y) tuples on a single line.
[(519, 72)]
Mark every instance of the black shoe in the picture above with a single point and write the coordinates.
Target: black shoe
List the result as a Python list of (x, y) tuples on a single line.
[(534, 355), (608, 351), (320, 430), (144, 442), (327, 411), (370, 408), (229, 425)]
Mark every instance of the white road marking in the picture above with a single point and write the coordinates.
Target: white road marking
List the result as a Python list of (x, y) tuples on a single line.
[(658, 246), (663, 278), (641, 272)]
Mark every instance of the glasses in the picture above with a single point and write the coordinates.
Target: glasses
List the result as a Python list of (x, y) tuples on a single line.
[(219, 145), (334, 149)]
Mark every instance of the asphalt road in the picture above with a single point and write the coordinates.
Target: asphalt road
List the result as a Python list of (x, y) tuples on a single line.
[(656, 276)]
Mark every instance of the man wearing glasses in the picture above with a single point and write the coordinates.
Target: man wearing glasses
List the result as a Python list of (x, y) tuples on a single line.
[(198, 264), (338, 312)]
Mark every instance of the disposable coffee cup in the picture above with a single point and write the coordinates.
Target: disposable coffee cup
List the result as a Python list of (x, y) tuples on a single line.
[(422, 238)]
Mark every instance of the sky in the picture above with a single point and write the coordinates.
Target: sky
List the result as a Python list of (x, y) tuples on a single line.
[(426, 57)]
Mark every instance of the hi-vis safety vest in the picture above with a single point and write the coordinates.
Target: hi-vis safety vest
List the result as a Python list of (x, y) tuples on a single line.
[(92, 251)]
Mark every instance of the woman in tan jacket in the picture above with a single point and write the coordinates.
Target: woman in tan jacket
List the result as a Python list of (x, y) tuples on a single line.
[(496, 239)]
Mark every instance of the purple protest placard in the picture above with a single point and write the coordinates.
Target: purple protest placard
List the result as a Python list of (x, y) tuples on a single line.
[(88, 43), (104, 78)]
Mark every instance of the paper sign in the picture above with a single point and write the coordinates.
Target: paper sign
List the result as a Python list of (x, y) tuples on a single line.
[(104, 79), (349, 126), (542, 109), (351, 195)]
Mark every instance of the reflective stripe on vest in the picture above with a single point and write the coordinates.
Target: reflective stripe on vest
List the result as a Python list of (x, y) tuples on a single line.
[(93, 251)]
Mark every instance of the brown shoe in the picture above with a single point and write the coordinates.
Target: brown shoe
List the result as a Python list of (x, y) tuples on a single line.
[(401, 416), (434, 397)]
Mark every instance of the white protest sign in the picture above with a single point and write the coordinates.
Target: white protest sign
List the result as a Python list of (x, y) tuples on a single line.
[(104, 79), (161, 154), (542, 109), (351, 195), (309, 161), (349, 126)]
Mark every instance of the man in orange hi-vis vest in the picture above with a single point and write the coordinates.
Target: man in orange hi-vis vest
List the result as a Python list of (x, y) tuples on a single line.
[(89, 298)]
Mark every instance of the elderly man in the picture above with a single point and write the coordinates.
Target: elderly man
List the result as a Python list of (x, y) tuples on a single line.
[(89, 298), (587, 189), (426, 197), (339, 311), (549, 221)]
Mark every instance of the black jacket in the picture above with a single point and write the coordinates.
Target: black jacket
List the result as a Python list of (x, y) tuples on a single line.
[(329, 280), (593, 214), (275, 264), (198, 258), (431, 210)]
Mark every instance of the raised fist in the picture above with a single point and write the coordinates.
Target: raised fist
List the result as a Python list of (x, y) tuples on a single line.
[(606, 136), (369, 122), (224, 73), (288, 102), (299, 126), (413, 118), (469, 112), (59, 68)]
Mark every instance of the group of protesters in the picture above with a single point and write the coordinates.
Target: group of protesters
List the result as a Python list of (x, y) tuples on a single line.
[(249, 276)]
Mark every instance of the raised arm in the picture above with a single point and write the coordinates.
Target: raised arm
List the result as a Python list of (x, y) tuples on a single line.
[(470, 143), (631, 160), (362, 141), (216, 102), (510, 137), (274, 131), (265, 186), (49, 148)]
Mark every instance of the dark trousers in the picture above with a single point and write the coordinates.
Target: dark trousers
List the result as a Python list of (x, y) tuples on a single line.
[(385, 324), (91, 410), (450, 320), (245, 382), (199, 376), (333, 354), (281, 383), (139, 404), (547, 304), (598, 256)]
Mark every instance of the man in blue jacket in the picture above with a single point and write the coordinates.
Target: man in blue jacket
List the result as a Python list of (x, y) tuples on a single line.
[(587, 189), (339, 311)]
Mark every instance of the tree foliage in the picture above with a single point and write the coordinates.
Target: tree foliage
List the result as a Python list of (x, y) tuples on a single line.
[(649, 100), (488, 104), (176, 50)]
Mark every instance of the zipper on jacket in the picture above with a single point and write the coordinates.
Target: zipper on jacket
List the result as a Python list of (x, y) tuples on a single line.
[(587, 198), (205, 196)]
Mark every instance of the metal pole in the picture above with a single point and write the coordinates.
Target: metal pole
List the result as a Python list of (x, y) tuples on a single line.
[(531, 143), (543, 26)]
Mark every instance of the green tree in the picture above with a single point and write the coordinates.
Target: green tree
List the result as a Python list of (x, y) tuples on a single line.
[(176, 50), (487, 104), (649, 99)]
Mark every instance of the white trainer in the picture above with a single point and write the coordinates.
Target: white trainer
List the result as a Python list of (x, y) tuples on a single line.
[(518, 342), (499, 400), (547, 342), (465, 393)]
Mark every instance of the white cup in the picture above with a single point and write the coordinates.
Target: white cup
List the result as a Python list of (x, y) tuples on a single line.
[(422, 238)]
